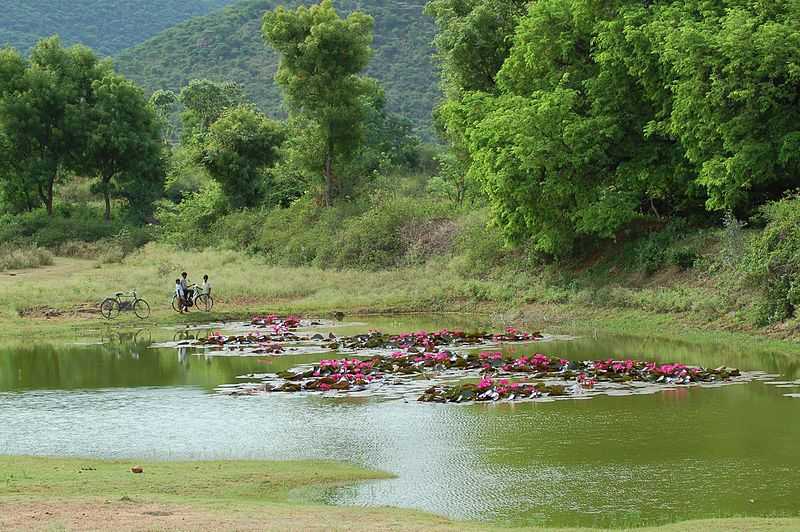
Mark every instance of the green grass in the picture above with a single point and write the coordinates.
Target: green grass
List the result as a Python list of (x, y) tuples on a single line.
[(245, 284), (56, 493), (212, 480)]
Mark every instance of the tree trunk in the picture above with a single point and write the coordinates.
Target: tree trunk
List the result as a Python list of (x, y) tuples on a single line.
[(106, 196), (49, 196), (328, 175)]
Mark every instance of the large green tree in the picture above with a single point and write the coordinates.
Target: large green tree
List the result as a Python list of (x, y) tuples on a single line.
[(725, 76), (604, 112), (124, 142), (322, 57), (44, 110), (239, 147)]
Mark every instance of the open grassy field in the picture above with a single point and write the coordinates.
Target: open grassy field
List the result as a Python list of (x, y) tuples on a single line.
[(85, 494), (64, 296)]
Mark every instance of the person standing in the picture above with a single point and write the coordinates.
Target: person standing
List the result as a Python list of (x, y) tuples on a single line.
[(187, 293), (206, 285), (180, 293)]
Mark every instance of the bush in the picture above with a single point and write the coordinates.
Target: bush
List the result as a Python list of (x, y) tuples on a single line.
[(25, 256), (660, 249), (773, 261), (188, 223), (479, 248), (69, 223), (239, 230)]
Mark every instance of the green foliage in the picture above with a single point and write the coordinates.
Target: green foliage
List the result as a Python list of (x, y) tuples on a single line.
[(322, 57), (479, 248), (184, 174), (473, 40), (203, 102), (726, 82), (599, 114), (227, 45), (124, 147), (69, 223), (44, 114), (773, 261), (187, 223), (237, 150), (108, 27)]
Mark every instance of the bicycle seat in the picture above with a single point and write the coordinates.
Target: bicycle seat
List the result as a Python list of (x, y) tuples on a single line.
[(119, 294)]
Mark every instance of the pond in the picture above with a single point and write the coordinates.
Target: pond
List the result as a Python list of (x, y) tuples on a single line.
[(681, 453)]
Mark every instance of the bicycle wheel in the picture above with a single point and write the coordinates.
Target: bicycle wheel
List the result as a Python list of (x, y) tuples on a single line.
[(141, 308), (204, 302), (176, 304), (109, 308)]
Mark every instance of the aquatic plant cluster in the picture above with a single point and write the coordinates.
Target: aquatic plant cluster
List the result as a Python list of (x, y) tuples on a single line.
[(496, 369), (428, 340), (275, 322), (265, 343)]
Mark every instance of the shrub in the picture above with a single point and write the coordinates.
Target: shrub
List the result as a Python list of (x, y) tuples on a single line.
[(659, 249), (187, 223), (773, 261), (25, 256), (479, 248)]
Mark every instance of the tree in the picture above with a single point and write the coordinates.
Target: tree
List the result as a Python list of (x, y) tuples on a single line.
[(204, 101), (124, 141), (732, 70), (164, 102), (237, 150), (322, 56), (43, 112), (473, 40)]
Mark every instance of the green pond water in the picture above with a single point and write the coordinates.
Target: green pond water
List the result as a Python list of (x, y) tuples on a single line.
[(678, 454)]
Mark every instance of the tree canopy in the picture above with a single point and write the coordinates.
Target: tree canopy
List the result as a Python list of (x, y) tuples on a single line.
[(322, 58), (240, 145), (604, 113)]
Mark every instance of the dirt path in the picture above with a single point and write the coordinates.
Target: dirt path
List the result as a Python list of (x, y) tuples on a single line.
[(133, 516)]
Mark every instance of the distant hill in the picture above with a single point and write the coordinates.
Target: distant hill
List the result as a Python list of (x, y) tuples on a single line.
[(227, 45), (107, 26)]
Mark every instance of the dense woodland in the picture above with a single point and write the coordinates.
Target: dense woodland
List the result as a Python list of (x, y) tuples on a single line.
[(657, 135), (107, 27)]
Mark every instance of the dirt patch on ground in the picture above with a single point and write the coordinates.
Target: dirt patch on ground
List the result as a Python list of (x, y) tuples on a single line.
[(130, 515), (84, 310)]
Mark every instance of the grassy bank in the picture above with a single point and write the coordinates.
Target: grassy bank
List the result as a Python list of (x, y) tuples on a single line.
[(398, 247), (57, 494), (62, 297)]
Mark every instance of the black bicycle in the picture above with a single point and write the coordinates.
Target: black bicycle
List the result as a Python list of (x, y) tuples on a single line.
[(199, 299), (125, 301)]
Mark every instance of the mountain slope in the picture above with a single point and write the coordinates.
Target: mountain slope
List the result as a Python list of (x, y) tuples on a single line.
[(227, 45), (107, 26)]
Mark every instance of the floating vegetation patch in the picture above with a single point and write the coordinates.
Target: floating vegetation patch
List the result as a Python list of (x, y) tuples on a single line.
[(440, 376), (274, 335), (430, 340), (278, 323)]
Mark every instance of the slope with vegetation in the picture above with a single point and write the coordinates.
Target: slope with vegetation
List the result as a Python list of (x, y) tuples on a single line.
[(227, 45), (107, 26)]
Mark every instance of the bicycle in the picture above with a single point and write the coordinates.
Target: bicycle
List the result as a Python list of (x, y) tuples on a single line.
[(125, 301), (201, 300)]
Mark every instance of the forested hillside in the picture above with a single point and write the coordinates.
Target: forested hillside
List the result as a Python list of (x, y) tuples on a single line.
[(105, 25), (227, 45)]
